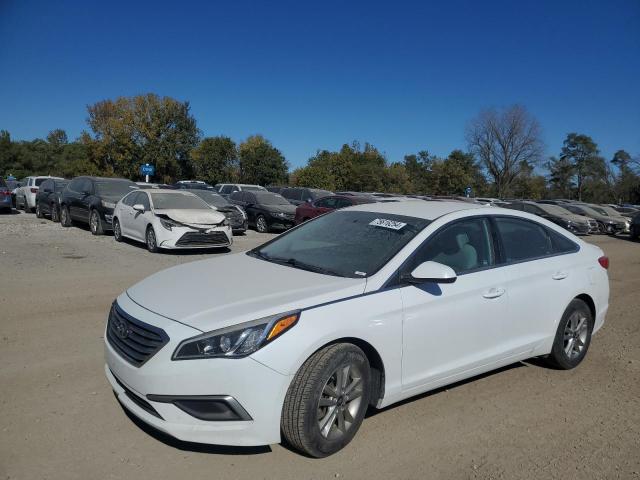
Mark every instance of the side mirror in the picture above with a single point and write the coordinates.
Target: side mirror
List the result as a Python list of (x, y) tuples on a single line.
[(138, 207), (430, 272), (309, 200)]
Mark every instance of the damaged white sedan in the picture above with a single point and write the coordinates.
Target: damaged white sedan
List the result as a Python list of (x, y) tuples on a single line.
[(170, 219)]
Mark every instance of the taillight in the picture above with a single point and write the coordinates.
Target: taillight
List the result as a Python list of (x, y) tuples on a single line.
[(604, 262), (6, 192), (34, 190)]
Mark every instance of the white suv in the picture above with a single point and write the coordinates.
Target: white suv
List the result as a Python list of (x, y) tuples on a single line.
[(26, 194)]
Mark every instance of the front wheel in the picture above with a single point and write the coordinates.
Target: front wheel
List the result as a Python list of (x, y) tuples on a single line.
[(261, 224), (572, 337), (55, 215), (117, 233), (327, 400), (39, 211), (152, 244), (65, 218), (95, 223)]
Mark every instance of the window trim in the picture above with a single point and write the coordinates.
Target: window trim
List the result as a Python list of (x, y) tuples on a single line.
[(498, 249)]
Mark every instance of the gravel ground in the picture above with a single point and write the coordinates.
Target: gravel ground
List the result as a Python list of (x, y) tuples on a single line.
[(60, 420)]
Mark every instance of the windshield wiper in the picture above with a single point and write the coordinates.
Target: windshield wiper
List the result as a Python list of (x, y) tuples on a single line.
[(304, 266)]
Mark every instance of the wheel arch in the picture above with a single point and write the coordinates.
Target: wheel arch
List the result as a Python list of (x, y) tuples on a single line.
[(586, 298), (375, 363)]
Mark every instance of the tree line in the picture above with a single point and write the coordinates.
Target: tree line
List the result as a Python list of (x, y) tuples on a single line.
[(503, 157)]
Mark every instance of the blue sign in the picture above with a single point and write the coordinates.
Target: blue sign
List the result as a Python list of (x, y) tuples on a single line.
[(467, 192), (147, 169)]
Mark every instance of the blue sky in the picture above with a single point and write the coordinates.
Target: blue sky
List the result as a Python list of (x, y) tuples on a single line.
[(404, 76)]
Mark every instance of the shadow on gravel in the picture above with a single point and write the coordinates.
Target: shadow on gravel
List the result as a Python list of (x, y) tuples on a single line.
[(194, 447), (372, 412)]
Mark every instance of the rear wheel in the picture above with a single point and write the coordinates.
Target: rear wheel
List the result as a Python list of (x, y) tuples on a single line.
[(95, 223), (39, 211), (117, 233), (572, 337), (65, 218), (152, 244), (327, 400)]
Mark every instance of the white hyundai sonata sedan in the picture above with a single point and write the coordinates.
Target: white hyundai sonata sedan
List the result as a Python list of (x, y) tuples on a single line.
[(170, 219), (361, 307)]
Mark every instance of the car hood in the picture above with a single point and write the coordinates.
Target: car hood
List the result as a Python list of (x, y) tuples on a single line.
[(280, 208), (193, 217), (236, 288)]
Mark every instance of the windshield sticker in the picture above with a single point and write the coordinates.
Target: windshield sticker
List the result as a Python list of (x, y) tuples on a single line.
[(386, 223)]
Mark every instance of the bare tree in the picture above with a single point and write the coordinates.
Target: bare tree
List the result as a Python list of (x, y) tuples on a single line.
[(505, 142)]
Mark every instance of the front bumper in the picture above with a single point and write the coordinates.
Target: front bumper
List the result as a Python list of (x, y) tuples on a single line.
[(259, 390), (282, 222), (190, 238)]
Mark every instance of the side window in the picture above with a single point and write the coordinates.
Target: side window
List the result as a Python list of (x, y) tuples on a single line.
[(327, 203), (523, 239), (75, 184), (464, 245), (85, 186), (46, 186), (237, 196), (562, 244), (225, 189), (233, 188), (143, 199), (129, 199), (532, 209), (287, 193), (343, 202)]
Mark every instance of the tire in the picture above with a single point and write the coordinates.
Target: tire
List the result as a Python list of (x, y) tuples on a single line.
[(150, 236), (261, 224), (65, 217), (55, 214), (117, 233), (39, 211), (573, 336), (341, 415), (95, 223), (633, 234)]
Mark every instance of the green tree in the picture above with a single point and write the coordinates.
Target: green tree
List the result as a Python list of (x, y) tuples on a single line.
[(561, 177), (627, 185), (130, 131), (419, 168), (504, 141), (215, 160), (261, 163), (582, 153)]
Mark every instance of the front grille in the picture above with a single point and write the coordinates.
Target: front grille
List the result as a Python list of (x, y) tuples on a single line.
[(134, 340), (142, 403), (195, 239)]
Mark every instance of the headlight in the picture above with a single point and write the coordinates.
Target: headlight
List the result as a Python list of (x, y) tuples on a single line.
[(110, 205), (225, 222), (168, 224), (237, 341), (280, 214)]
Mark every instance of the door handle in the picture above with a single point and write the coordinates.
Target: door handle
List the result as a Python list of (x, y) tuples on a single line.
[(560, 275), (494, 293)]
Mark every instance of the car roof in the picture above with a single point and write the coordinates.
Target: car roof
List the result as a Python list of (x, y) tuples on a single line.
[(158, 191), (418, 208)]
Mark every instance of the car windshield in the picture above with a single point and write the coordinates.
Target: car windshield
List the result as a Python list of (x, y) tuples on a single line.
[(350, 244), (587, 211), (212, 198), (553, 209), (267, 198), (600, 210), (316, 194), (116, 188), (253, 188), (163, 201)]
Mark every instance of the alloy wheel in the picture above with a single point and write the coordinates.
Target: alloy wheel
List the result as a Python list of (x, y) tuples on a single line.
[(575, 335), (261, 224), (151, 240), (54, 214), (94, 222), (116, 230), (340, 401)]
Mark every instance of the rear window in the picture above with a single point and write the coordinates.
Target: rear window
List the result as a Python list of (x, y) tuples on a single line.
[(38, 181)]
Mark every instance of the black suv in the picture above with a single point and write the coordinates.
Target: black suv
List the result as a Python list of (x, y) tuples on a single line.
[(298, 196), (48, 198), (265, 210), (91, 200)]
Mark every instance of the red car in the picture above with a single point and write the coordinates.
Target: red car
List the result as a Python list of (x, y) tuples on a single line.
[(307, 211)]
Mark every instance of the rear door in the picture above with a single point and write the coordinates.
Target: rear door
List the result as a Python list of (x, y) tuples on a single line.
[(538, 276)]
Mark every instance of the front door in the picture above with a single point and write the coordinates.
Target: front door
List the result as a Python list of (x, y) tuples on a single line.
[(452, 330)]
